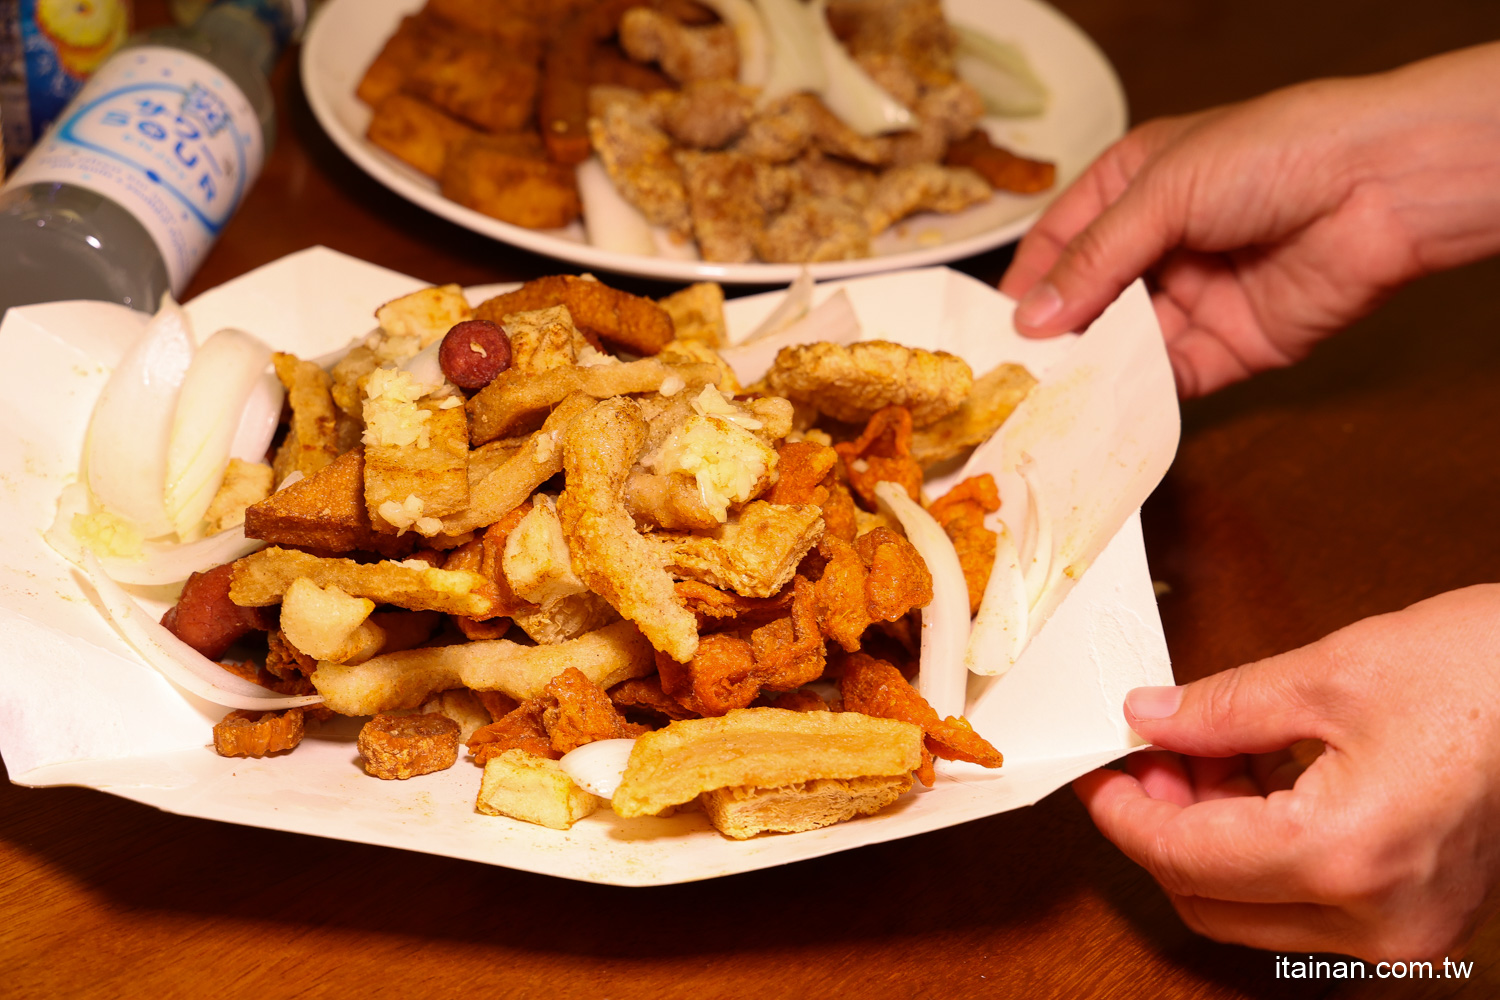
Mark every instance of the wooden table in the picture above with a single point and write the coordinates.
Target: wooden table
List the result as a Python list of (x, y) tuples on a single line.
[(1363, 480)]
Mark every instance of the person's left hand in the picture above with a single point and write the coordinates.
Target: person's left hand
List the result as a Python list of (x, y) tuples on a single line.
[(1386, 846)]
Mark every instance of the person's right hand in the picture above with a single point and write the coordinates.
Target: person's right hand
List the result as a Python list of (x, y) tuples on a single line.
[(1268, 225)]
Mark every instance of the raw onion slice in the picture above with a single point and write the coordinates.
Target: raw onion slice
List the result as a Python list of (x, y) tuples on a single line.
[(1002, 627), (833, 321), (176, 660), (1036, 564), (258, 424), (749, 35), (943, 677), (172, 562), (796, 57), (611, 222), (1001, 73), (210, 407), (850, 92), (793, 306), (131, 429), (598, 767)]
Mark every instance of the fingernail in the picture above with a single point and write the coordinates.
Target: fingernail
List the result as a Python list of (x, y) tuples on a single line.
[(1154, 702), (1038, 305)]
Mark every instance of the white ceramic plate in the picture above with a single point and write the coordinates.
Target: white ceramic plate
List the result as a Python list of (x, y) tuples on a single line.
[(1086, 114)]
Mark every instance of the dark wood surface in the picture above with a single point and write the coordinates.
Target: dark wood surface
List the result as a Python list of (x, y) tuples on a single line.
[(1363, 480)]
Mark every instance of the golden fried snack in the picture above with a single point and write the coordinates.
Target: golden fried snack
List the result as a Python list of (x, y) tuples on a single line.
[(789, 652), (741, 813), (727, 216), (922, 187), (520, 729), (608, 553), (461, 705), (843, 614), (262, 578), (697, 314), (813, 228), (567, 70), (492, 178), (800, 700), (543, 339), (625, 131), (400, 55), (898, 578), (414, 478), (255, 734), (803, 468), (610, 67), (1002, 169), (404, 746), (961, 512), (882, 453), (415, 132), (497, 703), (576, 711), (709, 114), (720, 676), (245, 483), (514, 26), (914, 32), (673, 502), (994, 397), (407, 678), (478, 83), (312, 441), (684, 53), (645, 693), (724, 609), (874, 687), (516, 403), (851, 383), (627, 321), (532, 789), (424, 315), (328, 624), (754, 555), (324, 511), (761, 748)]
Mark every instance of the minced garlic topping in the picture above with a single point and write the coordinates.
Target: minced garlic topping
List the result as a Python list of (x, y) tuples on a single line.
[(392, 416), (402, 515), (108, 534), (725, 458), (712, 402)]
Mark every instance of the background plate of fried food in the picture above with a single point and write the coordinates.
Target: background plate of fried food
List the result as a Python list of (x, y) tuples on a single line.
[(668, 167), (79, 705)]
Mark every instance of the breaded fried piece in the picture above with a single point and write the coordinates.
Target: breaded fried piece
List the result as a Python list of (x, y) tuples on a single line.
[(608, 553), (724, 609), (673, 502), (840, 593), (435, 474), (543, 339), (789, 651), (312, 441), (521, 729), (754, 555), (402, 53), (898, 577), (514, 480), (484, 86), (532, 789), (882, 454), (567, 71), (912, 31), (719, 678), (994, 397), (697, 313), (741, 813), (799, 122), (425, 315), (923, 187), (325, 511), (727, 215), (684, 53), (610, 67), (1002, 169), (401, 747), (645, 694), (815, 229), (245, 483), (709, 114), (625, 130), (627, 321), (803, 468), (512, 26), (577, 712), (826, 177), (523, 191), (261, 578), (851, 382), (961, 512), (415, 132), (244, 733), (485, 555), (943, 114)]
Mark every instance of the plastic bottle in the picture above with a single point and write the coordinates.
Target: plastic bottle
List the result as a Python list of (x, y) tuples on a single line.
[(123, 197)]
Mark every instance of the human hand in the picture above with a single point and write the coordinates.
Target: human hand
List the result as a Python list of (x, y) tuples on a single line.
[(1385, 847), (1269, 225)]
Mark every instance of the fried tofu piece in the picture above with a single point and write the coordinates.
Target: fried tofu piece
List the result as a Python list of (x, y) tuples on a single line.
[(626, 321), (425, 315), (761, 748), (415, 132), (312, 441), (477, 83), (697, 314), (814, 229), (741, 813), (608, 553), (414, 483), (533, 789), (961, 512), (754, 555), (1001, 169), (407, 678), (850, 383), (244, 733), (727, 215), (994, 397), (260, 580), (543, 339), (625, 130), (493, 179), (325, 511), (684, 53), (922, 187), (324, 623), (245, 483), (400, 55), (709, 114), (397, 747)]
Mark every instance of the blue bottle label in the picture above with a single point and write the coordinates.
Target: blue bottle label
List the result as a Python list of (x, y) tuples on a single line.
[(167, 136)]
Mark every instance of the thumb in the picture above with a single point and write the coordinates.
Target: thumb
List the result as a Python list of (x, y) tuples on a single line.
[(1256, 708)]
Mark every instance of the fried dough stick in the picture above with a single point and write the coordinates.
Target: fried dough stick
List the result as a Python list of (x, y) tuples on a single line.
[(609, 555)]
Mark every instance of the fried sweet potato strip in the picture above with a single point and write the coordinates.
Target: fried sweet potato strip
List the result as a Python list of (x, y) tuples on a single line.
[(874, 687), (961, 512), (254, 734), (882, 453), (609, 555), (627, 321)]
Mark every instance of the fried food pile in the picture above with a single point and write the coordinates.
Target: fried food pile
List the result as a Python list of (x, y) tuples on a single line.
[(587, 545), (500, 100)]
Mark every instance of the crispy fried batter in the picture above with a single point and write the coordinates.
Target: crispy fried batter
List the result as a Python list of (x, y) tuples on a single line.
[(789, 651), (727, 215), (576, 712), (815, 229), (543, 339), (922, 187), (961, 512), (882, 453), (608, 553), (627, 321), (490, 177), (804, 468), (723, 609), (898, 579), (473, 81), (514, 480), (522, 729), (915, 32), (415, 132), (497, 703), (840, 514), (851, 382), (312, 441), (874, 687), (672, 501), (260, 579), (433, 469), (840, 593), (801, 700), (400, 747), (994, 397), (1002, 169), (719, 677), (255, 734), (625, 130), (645, 694), (709, 114), (697, 313), (753, 555), (684, 53)]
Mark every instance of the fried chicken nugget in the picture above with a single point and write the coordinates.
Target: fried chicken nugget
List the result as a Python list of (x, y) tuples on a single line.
[(961, 512), (882, 453), (627, 321), (875, 687), (599, 449), (852, 382)]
